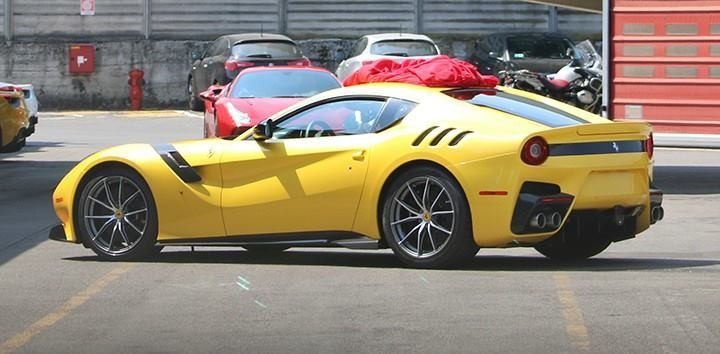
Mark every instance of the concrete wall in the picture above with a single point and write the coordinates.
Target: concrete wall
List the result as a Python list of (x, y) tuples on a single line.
[(157, 37), (166, 65)]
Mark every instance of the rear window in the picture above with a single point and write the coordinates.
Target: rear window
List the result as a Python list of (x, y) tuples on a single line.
[(523, 107), (403, 48), (285, 83), (266, 49), (521, 47)]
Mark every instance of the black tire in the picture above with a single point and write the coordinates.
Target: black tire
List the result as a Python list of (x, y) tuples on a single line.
[(17, 144), (116, 215), (569, 244), (433, 207), (194, 102)]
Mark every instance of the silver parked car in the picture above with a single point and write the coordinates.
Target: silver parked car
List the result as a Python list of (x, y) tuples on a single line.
[(395, 46)]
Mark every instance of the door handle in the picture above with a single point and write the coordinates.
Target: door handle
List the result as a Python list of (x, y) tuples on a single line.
[(359, 156)]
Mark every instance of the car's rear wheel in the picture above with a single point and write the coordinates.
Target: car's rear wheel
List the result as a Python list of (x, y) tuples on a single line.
[(18, 142), (194, 102), (116, 215), (426, 219), (570, 244)]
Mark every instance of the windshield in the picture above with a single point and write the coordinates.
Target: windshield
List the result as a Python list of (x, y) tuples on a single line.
[(267, 49), (403, 48), (585, 53), (521, 47), (284, 83)]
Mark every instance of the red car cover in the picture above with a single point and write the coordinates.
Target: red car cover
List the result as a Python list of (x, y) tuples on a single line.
[(440, 71)]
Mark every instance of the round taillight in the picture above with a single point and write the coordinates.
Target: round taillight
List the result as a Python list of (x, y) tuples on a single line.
[(535, 151), (650, 146)]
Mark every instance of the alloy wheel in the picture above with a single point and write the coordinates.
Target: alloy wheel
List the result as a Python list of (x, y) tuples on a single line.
[(422, 217), (115, 214)]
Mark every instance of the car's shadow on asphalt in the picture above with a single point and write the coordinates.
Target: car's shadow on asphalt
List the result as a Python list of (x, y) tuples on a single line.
[(687, 179), (388, 260)]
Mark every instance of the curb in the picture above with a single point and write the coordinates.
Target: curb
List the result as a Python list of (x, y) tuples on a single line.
[(710, 141)]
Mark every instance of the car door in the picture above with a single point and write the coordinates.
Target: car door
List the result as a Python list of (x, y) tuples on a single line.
[(308, 177)]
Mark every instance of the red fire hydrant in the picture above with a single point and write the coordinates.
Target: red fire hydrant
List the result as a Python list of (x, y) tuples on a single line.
[(136, 83)]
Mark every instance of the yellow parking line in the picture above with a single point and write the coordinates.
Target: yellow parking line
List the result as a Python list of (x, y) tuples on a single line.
[(20, 339), (574, 322)]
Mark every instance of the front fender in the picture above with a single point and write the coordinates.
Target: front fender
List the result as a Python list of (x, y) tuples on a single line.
[(184, 209)]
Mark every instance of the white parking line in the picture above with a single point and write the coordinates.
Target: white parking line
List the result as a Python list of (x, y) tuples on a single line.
[(190, 114)]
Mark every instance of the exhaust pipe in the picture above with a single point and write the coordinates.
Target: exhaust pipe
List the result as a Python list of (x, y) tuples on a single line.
[(656, 214), (538, 221), (554, 220)]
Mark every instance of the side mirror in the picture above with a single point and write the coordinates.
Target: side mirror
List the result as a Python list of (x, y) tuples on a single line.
[(195, 55), (263, 131), (492, 55), (212, 93), (209, 95)]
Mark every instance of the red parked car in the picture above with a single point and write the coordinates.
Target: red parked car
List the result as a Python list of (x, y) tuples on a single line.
[(257, 93)]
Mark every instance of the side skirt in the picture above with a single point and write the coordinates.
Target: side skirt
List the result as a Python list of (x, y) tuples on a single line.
[(344, 239)]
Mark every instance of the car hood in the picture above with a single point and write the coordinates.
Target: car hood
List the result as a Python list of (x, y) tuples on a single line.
[(260, 108)]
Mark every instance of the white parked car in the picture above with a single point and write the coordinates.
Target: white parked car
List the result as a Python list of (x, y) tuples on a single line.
[(395, 46), (30, 101)]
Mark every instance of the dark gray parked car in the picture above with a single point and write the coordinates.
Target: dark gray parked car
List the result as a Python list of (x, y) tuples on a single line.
[(229, 54), (538, 52)]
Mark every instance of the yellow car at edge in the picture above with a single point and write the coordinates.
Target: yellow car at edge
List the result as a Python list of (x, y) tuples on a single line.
[(435, 174), (14, 120)]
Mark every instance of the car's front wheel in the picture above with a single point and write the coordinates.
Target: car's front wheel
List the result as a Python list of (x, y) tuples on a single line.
[(426, 219), (116, 215)]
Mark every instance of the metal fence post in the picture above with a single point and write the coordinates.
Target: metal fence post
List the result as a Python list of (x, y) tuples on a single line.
[(147, 18), (8, 10), (419, 16), (282, 16)]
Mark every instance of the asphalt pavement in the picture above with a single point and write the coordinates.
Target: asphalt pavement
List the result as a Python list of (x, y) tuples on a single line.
[(659, 292)]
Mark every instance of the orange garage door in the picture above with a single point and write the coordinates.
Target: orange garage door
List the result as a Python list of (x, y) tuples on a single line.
[(665, 64)]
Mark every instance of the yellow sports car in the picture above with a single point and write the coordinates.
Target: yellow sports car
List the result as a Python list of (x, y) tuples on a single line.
[(434, 174), (14, 120)]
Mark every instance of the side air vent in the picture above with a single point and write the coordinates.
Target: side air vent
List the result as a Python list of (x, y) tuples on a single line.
[(440, 136), (177, 163), (422, 135), (459, 137)]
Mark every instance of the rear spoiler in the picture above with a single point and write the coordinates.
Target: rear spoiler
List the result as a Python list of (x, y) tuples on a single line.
[(597, 132)]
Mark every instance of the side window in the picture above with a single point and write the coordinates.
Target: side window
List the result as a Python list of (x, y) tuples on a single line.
[(359, 47), (347, 117), (395, 110), (217, 47)]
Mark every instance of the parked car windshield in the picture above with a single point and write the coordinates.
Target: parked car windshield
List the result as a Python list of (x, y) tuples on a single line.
[(521, 47), (403, 48), (285, 83), (269, 49)]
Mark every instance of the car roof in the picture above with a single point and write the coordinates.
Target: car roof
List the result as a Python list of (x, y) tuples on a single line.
[(395, 36), (242, 37), (528, 34), (284, 67)]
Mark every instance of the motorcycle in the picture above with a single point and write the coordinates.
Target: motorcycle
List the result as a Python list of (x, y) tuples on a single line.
[(579, 83)]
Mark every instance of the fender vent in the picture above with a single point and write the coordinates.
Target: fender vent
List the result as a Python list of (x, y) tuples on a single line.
[(440, 136), (459, 137), (422, 135)]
